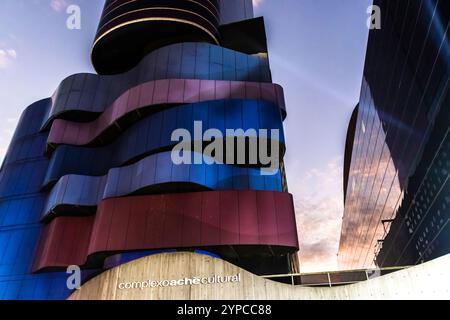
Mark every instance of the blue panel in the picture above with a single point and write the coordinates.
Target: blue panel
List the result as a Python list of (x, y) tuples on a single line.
[(21, 205), (158, 173), (229, 68), (201, 68), (97, 161), (198, 61)]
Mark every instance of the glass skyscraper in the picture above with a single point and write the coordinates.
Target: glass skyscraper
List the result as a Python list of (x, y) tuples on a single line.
[(397, 164)]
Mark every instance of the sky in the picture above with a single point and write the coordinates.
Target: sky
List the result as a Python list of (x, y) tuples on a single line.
[(316, 49)]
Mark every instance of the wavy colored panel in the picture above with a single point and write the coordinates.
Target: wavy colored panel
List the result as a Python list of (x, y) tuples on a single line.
[(169, 221), (162, 92), (86, 191), (153, 134), (21, 204), (85, 95)]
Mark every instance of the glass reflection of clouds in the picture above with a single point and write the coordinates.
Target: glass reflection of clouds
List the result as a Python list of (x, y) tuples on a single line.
[(397, 208)]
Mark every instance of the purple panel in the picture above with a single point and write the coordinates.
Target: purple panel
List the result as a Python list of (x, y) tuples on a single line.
[(207, 90), (223, 90), (192, 91), (120, 105), (147, 92), (268, 92), (161, 92), (252, 91), (176, 91), (71, 131), (237, 89), (133, 99)]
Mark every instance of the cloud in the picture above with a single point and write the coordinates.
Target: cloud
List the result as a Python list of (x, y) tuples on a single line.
[(256, 3), (319, 208), (7, 56), (58, 5)]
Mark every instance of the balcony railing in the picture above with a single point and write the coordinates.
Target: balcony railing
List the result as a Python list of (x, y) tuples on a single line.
[(332, 279)]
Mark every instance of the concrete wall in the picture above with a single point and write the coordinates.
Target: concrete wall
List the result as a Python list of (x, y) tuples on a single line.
[(427, 281)]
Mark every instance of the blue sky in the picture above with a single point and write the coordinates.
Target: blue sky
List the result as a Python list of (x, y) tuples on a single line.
[(317, 50)]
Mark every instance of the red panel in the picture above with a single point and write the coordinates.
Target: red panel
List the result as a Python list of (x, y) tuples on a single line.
[(57, 247), (160, 92), (70, 249), (135, 236), (248, 217), (190, 220), (173, 223), (285, 218), (102, 225), (229, 218), (267, 218), (119, 223), (210, 219), (155, 220)]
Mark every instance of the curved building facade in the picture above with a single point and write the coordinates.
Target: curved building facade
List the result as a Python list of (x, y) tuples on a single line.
[(119, 42), (397, 207), (89, 178)]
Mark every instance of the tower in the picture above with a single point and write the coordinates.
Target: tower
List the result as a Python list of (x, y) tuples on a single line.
[(91, 169)]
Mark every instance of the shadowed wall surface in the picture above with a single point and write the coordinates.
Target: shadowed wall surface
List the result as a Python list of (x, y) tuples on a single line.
[(427, 281)]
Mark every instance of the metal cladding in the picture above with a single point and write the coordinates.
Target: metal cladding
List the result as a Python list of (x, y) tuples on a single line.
[(89, 177), (156, 95), (154, 134), (21, 204), (207, 220), (120, 43), (155, 174), (89, 93)]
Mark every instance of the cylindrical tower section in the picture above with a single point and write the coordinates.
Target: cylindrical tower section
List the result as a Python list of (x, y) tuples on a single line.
[(129, 29)]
